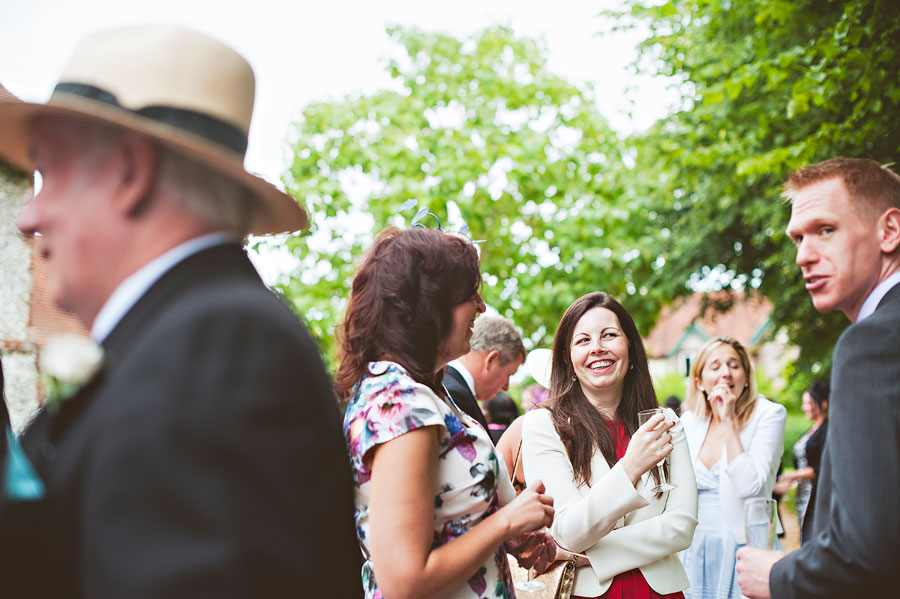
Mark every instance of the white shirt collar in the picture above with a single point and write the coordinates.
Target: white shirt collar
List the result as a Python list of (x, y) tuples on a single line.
[(130, 290), (868, 307), (467, 376)]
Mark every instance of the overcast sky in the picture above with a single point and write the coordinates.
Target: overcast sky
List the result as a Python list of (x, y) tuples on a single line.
[(304, 50)]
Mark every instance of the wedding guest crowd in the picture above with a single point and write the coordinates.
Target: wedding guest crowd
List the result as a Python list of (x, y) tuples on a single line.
[(203, 457)]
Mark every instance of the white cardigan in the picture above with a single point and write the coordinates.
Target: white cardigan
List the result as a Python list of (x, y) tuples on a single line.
[(752, 473), (611, 521)]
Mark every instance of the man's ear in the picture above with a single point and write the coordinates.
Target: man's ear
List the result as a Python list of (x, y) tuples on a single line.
[(491, 358), (889, 230), (139, 163)]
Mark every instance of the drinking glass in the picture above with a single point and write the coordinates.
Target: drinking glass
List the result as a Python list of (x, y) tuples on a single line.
[(664, 485), (531, 585), (759, 522)]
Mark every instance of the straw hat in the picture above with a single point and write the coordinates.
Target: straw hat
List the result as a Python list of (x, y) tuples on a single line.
[(538, 362), (184, 89)]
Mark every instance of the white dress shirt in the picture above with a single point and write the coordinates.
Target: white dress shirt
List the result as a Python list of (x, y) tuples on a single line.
[(467, 376)]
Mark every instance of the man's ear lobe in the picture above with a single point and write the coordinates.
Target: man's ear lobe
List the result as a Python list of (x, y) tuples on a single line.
[(139, 163), (491, 358)]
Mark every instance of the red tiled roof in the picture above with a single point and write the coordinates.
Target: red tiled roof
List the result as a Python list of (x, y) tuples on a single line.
[(743, 321)]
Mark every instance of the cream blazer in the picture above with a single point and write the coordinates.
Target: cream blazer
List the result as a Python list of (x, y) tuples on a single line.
[(752, 473), (611, 521)]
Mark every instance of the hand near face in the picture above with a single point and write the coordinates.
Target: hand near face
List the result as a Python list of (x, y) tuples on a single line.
[(722, 401)]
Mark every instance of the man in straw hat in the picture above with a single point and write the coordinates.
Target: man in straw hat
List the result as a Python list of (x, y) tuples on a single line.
[(204, 458)]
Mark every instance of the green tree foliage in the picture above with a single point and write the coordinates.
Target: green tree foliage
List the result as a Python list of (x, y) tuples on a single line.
[(766, 86), (481, 133)]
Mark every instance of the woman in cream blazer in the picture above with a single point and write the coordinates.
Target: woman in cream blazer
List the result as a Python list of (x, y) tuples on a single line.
[(736, 439), (604, 508)]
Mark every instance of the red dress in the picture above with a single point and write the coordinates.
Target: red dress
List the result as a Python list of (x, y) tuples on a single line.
[(630, 584)]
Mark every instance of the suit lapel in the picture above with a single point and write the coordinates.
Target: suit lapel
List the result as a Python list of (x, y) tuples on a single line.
[(218, 261)]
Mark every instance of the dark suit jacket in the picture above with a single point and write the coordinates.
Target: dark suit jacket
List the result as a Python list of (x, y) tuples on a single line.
[(462, 396), (206, 458), (854, 549)]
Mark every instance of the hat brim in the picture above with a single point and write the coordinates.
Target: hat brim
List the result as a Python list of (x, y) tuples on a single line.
[(538, 362), (278, 212)]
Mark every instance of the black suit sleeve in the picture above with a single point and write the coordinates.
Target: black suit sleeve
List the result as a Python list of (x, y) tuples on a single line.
[(854, 549), (223, 472)]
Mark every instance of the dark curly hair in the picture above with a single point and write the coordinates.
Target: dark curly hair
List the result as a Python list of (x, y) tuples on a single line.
[(581, 427), (401, 303)]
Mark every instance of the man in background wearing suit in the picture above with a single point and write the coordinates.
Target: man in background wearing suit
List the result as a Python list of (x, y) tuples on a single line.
[(845, 222), (495, 354), (205, 457)]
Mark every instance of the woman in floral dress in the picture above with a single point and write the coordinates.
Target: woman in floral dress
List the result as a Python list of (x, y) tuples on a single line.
[(434, 506)]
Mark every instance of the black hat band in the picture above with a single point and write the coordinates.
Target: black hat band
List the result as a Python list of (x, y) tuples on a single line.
[(203, 125)]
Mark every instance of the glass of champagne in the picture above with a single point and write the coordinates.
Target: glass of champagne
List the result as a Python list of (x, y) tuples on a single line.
[(664, 485), (531, 585), (759, 522)]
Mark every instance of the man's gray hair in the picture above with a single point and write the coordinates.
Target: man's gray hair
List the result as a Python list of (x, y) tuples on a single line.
[(199, 190), (495, 332), (209, 196)]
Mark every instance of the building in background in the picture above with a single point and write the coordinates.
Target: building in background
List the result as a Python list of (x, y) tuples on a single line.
[(27, 316), (684, 326)]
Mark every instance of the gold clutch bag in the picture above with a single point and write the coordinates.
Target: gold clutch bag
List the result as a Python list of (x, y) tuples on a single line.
[(558, 581)]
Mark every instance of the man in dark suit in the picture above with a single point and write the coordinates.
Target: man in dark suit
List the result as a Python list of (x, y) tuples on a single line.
[(205, 457), (495, 354), (845, 221)]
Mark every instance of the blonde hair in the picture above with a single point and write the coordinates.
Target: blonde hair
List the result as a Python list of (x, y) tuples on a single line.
[(695, 399)]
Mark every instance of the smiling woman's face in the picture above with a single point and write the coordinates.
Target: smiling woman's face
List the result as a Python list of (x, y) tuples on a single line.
[(599, 351)]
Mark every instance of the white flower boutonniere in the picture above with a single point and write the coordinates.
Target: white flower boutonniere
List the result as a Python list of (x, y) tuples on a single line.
[(67, 363)]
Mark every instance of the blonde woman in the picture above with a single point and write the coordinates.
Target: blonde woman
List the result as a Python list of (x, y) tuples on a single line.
[(736, 439)]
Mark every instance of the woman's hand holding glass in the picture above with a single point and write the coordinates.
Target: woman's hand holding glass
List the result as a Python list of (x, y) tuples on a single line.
[(530, 511), (649, 446)]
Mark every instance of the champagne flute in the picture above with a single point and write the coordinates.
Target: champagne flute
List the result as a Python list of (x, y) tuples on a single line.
[(759, 522), (664, 485), (531, 585)]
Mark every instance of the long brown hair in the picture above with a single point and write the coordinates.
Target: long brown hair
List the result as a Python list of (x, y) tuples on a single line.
[(580, 425), (401, 303)]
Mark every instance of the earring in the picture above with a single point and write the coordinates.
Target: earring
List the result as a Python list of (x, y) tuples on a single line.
[(631, 366)]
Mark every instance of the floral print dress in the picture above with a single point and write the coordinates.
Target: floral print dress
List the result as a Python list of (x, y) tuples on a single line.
[(471, 483)]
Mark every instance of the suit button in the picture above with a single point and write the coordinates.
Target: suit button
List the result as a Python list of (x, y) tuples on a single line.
[(48, 450)]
